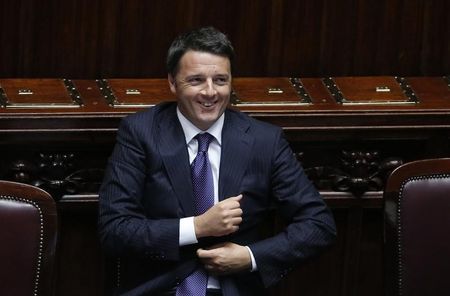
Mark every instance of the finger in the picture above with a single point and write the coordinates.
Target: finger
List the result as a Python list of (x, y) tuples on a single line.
[(237, 212), (236, 221), (232, 221), (206, 254), (235, 198), (231, 204), (208, 267)]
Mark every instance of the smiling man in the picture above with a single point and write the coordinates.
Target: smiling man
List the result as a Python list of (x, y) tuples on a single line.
[(189, 185), (202, 86)]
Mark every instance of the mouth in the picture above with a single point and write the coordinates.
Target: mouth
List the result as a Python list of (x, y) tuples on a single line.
[(208, 104)]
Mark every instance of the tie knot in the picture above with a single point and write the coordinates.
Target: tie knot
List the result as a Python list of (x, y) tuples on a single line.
[(203, 141)]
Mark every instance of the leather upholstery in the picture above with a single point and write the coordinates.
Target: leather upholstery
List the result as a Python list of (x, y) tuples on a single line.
[(28, 230), (417, 229)]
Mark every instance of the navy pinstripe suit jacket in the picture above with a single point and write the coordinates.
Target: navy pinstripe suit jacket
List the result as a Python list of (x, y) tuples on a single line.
[(147, 189)]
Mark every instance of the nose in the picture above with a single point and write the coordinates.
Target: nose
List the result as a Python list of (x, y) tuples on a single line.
[(209, 89)]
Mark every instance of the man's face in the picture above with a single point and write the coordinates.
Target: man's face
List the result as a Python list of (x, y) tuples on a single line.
[(202, 86)]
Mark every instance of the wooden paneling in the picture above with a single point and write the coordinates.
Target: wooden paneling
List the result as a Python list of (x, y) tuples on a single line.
[(88, 39)]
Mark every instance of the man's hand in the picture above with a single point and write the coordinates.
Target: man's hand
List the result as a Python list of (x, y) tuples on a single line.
[(225, 258), (221, 219)]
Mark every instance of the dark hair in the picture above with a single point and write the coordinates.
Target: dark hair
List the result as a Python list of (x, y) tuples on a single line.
[(206, 39)]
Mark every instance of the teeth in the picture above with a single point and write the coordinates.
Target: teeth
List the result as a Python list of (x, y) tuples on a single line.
[(207, 104)]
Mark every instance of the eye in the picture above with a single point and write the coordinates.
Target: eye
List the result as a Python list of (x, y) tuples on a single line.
[(221, 80), (195, 80)]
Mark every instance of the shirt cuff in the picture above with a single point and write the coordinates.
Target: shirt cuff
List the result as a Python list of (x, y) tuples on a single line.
[(187, 232), (254, 266)]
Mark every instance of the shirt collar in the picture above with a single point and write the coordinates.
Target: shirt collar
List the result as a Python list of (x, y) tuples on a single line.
[(190, 130)]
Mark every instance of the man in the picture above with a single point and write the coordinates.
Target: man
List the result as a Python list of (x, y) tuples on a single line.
[(170, 159)]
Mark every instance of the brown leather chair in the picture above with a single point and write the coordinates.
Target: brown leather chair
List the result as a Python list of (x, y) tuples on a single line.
[(417, 229), (28, 231)]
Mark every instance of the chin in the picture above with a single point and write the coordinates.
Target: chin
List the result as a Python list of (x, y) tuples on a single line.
[(208, 120)]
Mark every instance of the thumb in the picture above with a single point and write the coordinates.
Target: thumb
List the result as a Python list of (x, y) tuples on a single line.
[(202, 253)]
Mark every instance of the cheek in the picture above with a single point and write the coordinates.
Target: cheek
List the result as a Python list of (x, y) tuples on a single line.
[(224, 95), (187, 97), (226, 91)]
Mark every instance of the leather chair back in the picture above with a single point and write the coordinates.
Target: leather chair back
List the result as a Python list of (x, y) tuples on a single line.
[(417, 229), (28, 232)]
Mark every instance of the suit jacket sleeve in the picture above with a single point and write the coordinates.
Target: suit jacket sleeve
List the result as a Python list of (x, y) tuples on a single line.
[(123, 224), (310, 225)]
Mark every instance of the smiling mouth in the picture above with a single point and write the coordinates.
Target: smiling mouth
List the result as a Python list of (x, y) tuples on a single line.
[(207, 104)]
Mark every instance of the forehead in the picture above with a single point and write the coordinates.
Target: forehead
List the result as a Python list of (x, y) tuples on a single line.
[(198, 61)]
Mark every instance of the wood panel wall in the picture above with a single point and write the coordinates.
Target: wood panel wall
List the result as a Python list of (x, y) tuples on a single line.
[(302, 38)]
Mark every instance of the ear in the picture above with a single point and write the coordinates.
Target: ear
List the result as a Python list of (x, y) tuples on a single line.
[(172, 83)]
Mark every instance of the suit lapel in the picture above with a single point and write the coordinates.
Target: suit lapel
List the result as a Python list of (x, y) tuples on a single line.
[(176, 159), (236, 147)]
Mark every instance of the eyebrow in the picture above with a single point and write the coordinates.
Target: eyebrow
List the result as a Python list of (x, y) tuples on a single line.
[(222, 75), (202, 76)]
